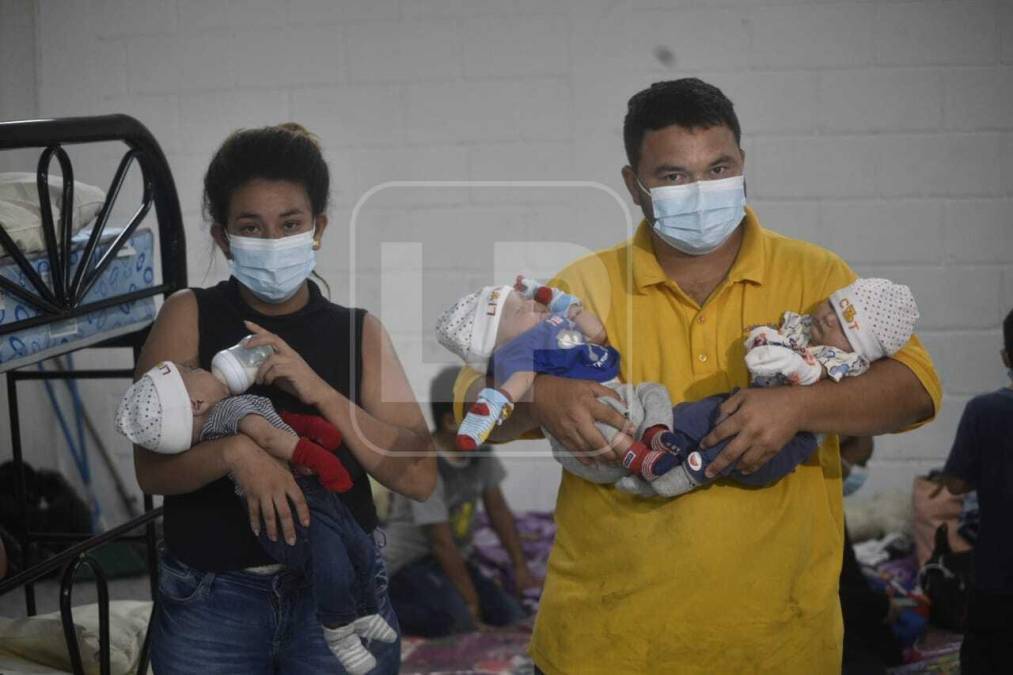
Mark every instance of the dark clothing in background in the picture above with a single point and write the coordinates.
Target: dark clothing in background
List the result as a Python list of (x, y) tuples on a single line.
[(870, 646)]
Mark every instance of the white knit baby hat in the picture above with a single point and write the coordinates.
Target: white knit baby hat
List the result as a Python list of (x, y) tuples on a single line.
[(877, 315), (155, 411), (468, 328)]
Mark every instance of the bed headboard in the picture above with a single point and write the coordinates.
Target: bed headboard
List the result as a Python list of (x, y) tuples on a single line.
[(62, 299)]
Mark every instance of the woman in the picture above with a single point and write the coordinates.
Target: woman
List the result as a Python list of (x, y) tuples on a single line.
[(223, 606)]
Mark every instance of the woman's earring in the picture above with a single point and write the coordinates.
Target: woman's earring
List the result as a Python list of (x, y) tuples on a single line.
[(316, 244)]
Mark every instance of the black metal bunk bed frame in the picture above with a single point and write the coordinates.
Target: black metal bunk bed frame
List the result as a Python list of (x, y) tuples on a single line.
[(61, 300)]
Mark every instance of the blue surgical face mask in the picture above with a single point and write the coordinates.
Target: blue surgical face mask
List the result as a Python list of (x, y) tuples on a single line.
[(855, 479), (273, 269), (698, 217)]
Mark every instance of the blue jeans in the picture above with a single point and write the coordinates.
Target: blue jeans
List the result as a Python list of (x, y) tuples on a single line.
[(427, 603), (240, 623), (334, 552)]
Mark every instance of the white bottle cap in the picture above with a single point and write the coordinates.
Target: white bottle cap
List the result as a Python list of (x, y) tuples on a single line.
[(226, 367)]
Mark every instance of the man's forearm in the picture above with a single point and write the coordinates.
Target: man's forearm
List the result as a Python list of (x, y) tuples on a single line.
[(886, 399)]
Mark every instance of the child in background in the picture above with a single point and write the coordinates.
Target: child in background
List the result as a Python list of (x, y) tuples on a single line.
[(982, 459), (435, 586), (172, 407)]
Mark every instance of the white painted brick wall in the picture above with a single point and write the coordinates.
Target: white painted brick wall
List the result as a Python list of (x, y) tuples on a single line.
[(882, 130)]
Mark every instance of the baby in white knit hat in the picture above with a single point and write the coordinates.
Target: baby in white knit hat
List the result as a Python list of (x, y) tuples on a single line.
[(856, 325), (514, 333)]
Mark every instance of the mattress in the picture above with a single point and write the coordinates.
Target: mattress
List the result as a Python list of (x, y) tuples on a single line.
[(131, 270)]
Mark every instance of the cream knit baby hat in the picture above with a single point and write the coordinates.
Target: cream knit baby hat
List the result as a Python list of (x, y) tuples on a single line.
[(468, 328), (877, 315), (155, 411)]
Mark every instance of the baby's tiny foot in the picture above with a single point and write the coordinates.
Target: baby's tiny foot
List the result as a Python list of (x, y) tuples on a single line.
[(347, 646), (374, 627)]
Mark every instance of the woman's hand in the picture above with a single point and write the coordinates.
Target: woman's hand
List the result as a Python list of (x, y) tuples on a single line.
[(286, 369), (268, 487)]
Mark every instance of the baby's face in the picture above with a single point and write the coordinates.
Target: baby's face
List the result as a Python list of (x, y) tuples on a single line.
[(827, 330), (205, 391), (519, 315)]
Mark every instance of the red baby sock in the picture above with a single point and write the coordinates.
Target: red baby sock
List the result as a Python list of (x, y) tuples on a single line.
[(543, 295), (325, 464), (635, 455), (315, 428)]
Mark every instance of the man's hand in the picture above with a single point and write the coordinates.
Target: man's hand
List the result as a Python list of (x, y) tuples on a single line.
[(762, 422), (268, 487), (569, 408)]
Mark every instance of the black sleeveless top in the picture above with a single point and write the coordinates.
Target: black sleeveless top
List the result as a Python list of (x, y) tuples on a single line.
[(210, 528)]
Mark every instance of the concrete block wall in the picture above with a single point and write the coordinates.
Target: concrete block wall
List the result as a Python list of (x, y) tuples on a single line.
[(882, 130)]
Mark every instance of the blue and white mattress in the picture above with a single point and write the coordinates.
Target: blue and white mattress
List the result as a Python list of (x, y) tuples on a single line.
[(131, 270)]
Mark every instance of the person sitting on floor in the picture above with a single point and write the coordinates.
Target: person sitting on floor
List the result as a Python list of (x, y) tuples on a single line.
[(435, 587)]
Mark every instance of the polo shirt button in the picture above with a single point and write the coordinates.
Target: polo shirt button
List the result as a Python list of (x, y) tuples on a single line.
[(700, 319), (703, 358)]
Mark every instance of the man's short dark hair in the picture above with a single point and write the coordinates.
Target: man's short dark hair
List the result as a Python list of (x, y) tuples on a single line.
[(1007, 333), (441, 395), (690, 103)]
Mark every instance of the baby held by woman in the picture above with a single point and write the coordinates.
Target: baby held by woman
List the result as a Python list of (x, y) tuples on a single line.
[(173, 407)]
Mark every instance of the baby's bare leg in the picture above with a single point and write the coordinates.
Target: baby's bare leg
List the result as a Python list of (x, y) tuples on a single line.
[(589, 324), (518, 385)]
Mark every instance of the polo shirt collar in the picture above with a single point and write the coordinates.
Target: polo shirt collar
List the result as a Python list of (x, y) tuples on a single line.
[(748, 265)]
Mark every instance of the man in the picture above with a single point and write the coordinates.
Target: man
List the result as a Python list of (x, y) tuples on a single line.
[(435, 588), (725, 579)]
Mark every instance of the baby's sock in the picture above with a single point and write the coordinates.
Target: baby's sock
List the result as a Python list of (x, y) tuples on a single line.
[(651, 457), (492, 407), (325, 464), (374, 627), (347, 646), (661, 439), (315, 428)]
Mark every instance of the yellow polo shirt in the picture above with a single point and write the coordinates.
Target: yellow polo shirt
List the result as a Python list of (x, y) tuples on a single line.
[(725, 579)]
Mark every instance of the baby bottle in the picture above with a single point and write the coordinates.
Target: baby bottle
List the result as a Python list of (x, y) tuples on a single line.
[(237, 366)]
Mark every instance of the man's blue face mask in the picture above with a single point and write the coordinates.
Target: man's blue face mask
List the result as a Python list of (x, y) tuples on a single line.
[(697, 218), (273, 269)]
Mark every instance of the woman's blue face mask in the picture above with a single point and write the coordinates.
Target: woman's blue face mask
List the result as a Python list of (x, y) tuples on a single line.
[(273, 269)]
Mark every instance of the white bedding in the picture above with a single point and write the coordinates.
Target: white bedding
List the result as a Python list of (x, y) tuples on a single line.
[(21, 214), (36, 644)]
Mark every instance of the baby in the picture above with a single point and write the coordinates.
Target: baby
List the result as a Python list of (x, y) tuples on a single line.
[(858, 324), (172, 407), (528, 340), (516, 333)]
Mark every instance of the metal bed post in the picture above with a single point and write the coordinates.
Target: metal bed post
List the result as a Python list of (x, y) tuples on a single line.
[(64, 299), (20, 491)]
